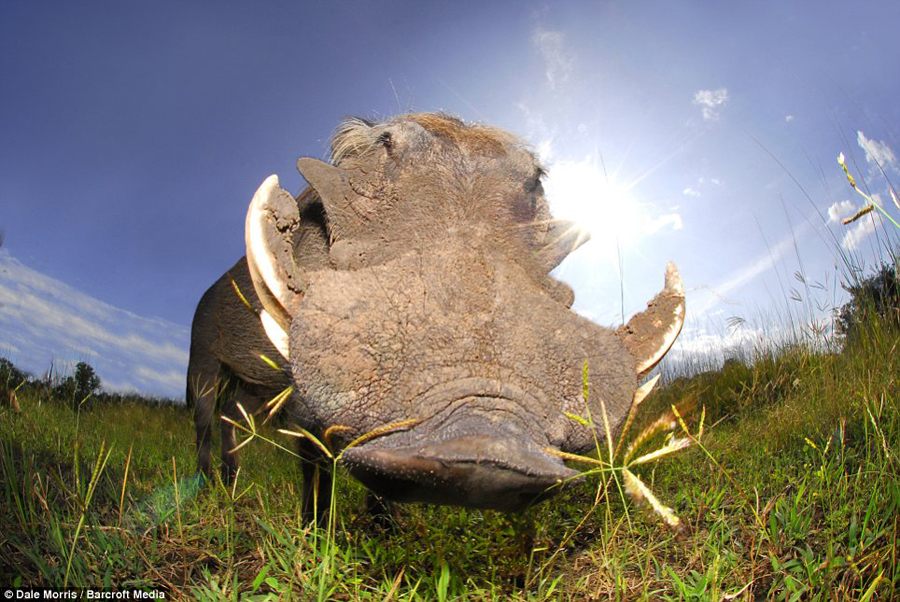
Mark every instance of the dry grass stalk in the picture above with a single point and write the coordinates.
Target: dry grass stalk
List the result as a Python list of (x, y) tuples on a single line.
[(637, 490), (639, 396), (331, 430), (672, 445), (858, 214), (666, 422), (871, 204), (124, 483), (241, 296), (276, 403), (575, 457), (269, 362), (305, 434), (670, 420), (382, 430)]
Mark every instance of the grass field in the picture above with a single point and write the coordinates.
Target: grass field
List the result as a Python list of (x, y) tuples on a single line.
[(792, 493)]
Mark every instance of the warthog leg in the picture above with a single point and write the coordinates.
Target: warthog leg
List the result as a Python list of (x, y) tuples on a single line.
[(316, 483)]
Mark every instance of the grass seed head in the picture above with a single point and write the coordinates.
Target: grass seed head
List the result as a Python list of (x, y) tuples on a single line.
[(641, 493), (858, 214)]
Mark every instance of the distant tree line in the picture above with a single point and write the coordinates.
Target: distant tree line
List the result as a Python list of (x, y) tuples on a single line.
[(80, 390)]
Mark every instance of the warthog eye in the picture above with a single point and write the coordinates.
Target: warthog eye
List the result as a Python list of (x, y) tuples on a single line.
[(534, 184), (386, 140)]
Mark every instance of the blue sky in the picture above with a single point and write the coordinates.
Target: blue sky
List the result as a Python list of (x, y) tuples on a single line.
[(134, 135)]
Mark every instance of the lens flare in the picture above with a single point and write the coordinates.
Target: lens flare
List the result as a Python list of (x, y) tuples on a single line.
[(581, 192)]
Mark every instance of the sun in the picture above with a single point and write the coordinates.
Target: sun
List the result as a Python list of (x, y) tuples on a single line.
[(580, 191)]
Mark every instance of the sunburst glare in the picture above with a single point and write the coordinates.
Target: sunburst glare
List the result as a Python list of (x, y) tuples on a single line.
[(601, 204)]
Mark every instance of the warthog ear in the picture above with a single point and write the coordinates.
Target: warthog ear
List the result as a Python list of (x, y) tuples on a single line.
[(272, 220), (649, 334), (332, 184), (562, 238)]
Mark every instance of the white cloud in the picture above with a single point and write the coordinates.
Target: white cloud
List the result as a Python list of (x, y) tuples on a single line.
[(701, 341), (172, 377), (877, 153), (839, 211), (669, 219), (788, 118), (699, 348), (559, 61), (711, 101), (702, 182), (45, 321)]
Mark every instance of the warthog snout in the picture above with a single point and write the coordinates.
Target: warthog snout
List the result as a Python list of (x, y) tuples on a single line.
[(495, 470)]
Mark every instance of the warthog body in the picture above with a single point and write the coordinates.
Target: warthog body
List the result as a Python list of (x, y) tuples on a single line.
[(228, 341), (429, 321)]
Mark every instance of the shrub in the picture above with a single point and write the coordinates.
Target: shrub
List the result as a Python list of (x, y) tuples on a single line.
[(876, 297), (10, 376), (80, 387)]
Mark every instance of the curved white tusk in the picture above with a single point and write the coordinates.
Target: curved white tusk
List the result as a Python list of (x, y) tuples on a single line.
[(276, 334), (257, 241), (650, 334), (644, 390)]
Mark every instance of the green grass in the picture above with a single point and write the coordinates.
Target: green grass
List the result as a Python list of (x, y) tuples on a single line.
[(795, 494)]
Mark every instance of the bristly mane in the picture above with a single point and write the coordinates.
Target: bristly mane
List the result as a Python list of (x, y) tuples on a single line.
[(355, 136)]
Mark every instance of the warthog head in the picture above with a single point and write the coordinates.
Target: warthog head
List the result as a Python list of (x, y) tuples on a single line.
[(437, 308)]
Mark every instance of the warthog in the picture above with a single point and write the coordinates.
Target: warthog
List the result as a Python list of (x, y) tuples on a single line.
[(428, 319)]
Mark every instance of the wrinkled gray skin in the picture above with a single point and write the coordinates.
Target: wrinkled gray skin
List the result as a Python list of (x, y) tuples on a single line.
[(227, 340), (435, 306)]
